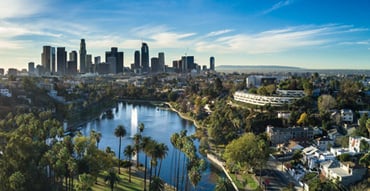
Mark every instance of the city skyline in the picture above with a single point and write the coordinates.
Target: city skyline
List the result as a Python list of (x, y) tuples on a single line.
[(307, 34)]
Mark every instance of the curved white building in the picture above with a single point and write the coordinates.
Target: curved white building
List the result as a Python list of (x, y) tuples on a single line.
[(284, 97)]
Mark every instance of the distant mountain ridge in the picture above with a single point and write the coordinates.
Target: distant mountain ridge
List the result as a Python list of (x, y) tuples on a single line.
[(258, 67)]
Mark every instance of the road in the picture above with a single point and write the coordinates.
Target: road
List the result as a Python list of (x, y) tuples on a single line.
[(274, 178)]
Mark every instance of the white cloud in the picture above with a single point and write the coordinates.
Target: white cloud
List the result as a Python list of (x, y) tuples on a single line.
[(19, 8), (273, 41), (217, 33), (278, 5)]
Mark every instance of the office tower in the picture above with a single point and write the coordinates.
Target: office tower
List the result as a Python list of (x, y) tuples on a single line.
[(155, 65), (88, 63), (2, 71), (145, 57), (12, 72), (212, 63), (61, 60), (161, 61), (137, 59), (97, 60), (48, 59), (117, 61), (31, 68), (83, 56), (187, 63), (72, 63), (204, 67)]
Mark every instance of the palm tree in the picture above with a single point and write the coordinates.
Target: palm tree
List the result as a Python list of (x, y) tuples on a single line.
[(223, 184), (128, 152), (157, 184), (137, 140), (97, 136), (144, 145), (163, 150), (120, 132), (141, 127), (112, 178)]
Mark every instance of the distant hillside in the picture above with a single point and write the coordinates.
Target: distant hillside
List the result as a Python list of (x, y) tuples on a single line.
[(254, 67)]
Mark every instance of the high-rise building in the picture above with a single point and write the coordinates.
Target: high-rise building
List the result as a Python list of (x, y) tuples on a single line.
[(31, 68), (48, 59), (89, 63), (117, 61), (212, 63), (83, 67), (187, 63), (161, 61), (61, 60), (137, 59), (72, 63), (155, 65), (145, 57), (97, 60)]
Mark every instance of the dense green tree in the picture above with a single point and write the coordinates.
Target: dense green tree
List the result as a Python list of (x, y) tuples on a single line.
[(249, 151), (85, 182), (326, 103), (17, 181), (223, 184), (119, 132)]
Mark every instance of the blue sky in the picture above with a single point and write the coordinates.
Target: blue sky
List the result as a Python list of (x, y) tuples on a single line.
[(314, 34)]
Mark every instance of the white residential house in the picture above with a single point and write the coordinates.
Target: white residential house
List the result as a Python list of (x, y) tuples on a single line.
[(344, 172), (355, 144)]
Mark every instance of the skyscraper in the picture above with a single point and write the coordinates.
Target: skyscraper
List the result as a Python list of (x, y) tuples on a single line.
[(88, 63), (72, 63), (161, 61), (61, 60), (145, 57), (83, 56), (212, 63), (117, 61), (48, 59), (137, 59), (155, 65), (31, 68)]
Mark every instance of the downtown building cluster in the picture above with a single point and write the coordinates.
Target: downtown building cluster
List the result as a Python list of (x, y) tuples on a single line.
[(54, 61)]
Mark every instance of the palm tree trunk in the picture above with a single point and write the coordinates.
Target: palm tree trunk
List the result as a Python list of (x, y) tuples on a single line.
[(137, 158), (129, 172), (160, 166), (146, 159), (150, 174), (119, 156)]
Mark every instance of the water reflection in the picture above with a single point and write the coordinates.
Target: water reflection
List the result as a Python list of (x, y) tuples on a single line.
[(159, 124)]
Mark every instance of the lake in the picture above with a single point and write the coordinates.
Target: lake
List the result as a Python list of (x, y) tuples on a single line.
[(160, 124)]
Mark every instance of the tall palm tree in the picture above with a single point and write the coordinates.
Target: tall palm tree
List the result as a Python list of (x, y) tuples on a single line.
[(97, 136), (128, 152), (163, 150), (137, 141), (157, 184), (112, 178), (141, 127), (144, 145), (120, 132)]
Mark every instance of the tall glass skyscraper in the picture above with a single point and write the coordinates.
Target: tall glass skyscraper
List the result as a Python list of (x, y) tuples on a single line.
[(212, 63), (61, 60), (83, 56), (48, 59), (145, 57), (137, 59)]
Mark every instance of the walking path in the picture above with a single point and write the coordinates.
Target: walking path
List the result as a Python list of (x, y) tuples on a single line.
[(221, 164)]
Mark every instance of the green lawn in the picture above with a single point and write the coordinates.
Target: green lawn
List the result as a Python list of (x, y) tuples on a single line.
[(137, 183), (245, 181)]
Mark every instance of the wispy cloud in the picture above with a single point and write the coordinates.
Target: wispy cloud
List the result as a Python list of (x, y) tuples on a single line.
[(217, 33), (278, 40), (20, 8), (277, 6)]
